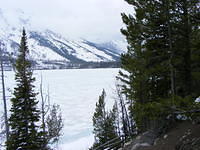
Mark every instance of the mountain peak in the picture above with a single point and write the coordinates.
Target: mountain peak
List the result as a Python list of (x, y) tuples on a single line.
[(49, 47)]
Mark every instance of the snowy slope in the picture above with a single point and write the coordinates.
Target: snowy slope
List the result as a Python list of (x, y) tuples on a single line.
[(47, 46)]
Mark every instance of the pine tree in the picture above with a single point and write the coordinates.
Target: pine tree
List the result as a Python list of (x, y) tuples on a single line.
[(98, 120), (24, 134), (160, 59), (105, 127), (185, 25), (146, 59)]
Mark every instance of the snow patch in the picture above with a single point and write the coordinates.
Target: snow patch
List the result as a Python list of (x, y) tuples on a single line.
[(140, 145), (197, 100)]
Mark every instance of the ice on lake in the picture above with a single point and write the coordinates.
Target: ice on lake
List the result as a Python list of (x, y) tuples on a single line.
[(76, 91)]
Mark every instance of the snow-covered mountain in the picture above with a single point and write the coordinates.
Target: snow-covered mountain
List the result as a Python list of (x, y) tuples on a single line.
[(48, 48)]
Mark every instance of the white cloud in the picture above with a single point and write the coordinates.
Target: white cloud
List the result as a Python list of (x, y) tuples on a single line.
[(90, 19)]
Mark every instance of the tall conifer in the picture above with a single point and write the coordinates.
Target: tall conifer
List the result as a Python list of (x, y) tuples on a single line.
[(24, 134), (162, 59)]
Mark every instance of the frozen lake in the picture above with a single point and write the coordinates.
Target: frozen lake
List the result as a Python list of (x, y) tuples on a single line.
[(76, 91)]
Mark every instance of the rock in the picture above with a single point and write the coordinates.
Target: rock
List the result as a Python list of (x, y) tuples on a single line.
[(128, 143), (156, 141), (139, 145), (138, 137), (186, 143), (146, 139), (165, 136)]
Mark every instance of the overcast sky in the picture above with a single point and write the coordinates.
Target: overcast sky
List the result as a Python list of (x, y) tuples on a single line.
[(89, 19)]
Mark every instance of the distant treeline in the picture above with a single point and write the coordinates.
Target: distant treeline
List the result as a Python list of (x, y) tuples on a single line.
[(39, 65), (82, 65)]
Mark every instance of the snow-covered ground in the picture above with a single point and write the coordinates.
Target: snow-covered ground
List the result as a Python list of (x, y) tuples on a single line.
[(76, 91)]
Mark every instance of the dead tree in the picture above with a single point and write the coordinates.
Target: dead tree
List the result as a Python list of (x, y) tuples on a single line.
[(126, 127), (3, 92), (45, 105), (52, 122)]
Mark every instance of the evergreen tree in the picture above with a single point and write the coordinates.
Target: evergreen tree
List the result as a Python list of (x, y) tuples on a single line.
[(24, 134), (105, 127), (98, 120), (185, 23), (161, 56), (146, 59)]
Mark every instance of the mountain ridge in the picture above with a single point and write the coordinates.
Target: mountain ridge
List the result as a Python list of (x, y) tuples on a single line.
[(49, 49)]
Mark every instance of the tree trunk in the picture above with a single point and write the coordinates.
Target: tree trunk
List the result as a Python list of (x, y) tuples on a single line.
[(4, 95)]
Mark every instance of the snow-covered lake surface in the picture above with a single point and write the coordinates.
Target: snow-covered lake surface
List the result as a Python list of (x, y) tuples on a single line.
[(76, 91)]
